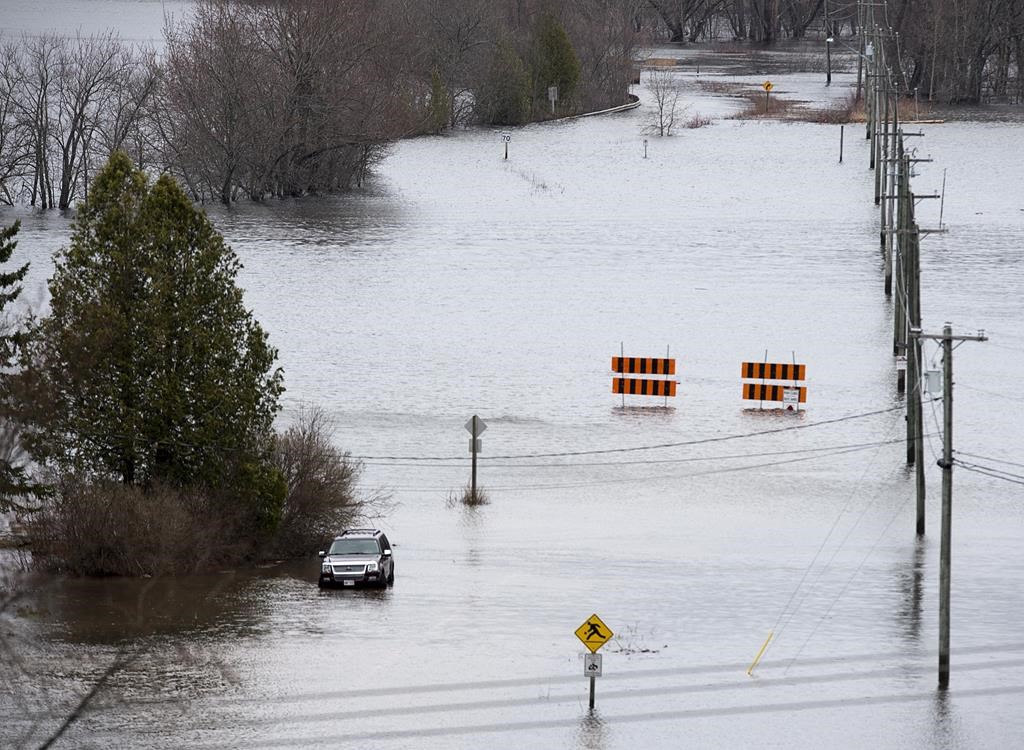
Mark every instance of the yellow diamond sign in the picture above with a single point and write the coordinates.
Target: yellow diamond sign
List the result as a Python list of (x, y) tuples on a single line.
[(594, 633)]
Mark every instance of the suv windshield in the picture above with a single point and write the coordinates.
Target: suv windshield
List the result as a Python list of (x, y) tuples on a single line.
[(354, 547)]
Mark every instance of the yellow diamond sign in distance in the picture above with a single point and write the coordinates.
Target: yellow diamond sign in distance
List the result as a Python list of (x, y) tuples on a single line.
[(767, 86), (594, 633)]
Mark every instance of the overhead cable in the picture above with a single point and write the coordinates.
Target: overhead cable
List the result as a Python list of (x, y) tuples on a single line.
[(638, 448)]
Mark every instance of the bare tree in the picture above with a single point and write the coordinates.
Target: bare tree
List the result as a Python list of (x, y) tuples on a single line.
[(36, 74), (15, 136), (127, 106), (460, 38), (665, 89), (605, 39), (283, 97), (686, 20), (208, 98), (89, 71)]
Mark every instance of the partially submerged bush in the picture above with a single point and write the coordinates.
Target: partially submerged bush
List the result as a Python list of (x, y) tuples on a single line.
[(105, 527), (469, 497), (322, 496), (837, 112), (110, 528), (698, 121)]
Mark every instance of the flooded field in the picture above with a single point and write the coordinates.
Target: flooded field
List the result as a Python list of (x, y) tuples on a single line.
[(461, 283)]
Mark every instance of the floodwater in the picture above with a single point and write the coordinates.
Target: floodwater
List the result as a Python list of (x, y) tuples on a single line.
[(462, 283)]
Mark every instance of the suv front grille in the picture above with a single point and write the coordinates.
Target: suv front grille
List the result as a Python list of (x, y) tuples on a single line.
[(349, 569)]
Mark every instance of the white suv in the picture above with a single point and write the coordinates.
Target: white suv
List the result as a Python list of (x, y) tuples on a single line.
[(358, 557)]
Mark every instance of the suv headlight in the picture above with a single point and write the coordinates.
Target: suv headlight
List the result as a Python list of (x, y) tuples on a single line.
[(371, 567), (326, 567)]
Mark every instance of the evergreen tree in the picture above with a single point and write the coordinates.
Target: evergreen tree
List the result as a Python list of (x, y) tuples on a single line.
[(13, 480), (440, 104), (148, 367), (504, 96), (555, 61)]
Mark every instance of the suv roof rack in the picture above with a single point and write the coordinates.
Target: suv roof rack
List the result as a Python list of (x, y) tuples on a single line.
[(346, 532)]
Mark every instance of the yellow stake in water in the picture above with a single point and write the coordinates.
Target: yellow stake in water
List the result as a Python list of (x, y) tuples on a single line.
[(750, 672)]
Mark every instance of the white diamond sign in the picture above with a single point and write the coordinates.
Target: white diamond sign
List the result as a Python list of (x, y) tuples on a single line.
[(480, 426)]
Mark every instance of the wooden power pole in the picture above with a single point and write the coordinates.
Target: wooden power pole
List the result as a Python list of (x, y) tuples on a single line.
[(947, 338)]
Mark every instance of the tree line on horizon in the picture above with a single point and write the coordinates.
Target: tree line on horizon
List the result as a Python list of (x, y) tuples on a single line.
[(965, 52), (254, 99), (262, 98)]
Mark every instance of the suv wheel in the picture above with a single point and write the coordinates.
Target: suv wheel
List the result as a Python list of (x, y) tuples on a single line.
[(391, 576)]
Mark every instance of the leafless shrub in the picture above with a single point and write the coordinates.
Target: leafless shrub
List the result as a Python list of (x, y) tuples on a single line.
[(758, 106), (911, 109), (697, 120), (837, 112), (722, 88), (469, 497), (322, 485), (108, 528)]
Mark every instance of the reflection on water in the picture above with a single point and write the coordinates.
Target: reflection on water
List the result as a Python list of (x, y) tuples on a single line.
[(947, 733), (593, 732), (911, 583)]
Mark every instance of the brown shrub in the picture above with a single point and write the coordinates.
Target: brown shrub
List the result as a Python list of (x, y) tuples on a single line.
[(469, 497), (837, 112), (108, 528), (102, 527), (322, 486), (697, 121), (756, 107)]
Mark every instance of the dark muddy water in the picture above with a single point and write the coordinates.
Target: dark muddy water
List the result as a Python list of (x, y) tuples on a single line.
[(462, 283)]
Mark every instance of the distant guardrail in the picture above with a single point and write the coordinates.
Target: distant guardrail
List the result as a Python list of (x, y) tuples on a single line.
[(633, 103)]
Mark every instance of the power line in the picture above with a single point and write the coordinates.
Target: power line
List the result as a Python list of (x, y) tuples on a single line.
[(658, 446), (460, 463), (990, 472), (993, 460), (850, 580), (144, 440), (635, 480), (991, 393), (701, 671), (1009, 348), (793, 605)]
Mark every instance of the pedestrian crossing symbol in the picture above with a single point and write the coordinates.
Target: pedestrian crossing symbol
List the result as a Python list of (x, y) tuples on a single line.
[(594, 633)]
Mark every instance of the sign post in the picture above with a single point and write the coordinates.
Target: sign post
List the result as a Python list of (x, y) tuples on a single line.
[(506, 137), (594, 634), (767, 86), (553, 97), (476, 427)]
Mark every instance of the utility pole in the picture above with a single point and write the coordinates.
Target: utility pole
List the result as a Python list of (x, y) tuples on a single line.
[(916, 420), (911, 241), (828, 48), (882, 146), (947, 338), (860, 56)]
